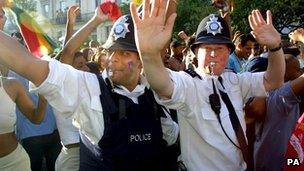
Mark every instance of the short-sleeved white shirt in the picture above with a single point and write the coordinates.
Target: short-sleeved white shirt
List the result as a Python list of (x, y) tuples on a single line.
[(204, 145), (76, 93)]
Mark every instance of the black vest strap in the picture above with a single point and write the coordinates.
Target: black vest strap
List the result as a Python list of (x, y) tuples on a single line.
[(236, 125), (192, 73), (106, 100)]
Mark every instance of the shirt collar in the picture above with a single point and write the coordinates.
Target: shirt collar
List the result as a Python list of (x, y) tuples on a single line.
[(139, 89)]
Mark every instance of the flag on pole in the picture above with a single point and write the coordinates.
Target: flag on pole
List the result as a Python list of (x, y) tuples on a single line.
[(38, 43)]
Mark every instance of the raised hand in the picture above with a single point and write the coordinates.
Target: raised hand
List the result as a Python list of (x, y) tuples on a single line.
[(152, 30), (264, 31), (99, 15), (73, 12), (297, 35)]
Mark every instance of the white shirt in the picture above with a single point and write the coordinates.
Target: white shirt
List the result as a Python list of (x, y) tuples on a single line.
[(68, 133), (74, 92), (204, 146)]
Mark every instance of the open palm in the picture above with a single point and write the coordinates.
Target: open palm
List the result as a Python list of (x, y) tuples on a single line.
[(264, 31), (152, 31)]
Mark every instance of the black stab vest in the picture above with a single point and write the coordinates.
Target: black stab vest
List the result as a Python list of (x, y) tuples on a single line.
[(132, 139)]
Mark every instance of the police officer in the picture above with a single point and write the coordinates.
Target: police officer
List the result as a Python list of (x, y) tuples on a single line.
[(132, 138), (210, 100), (121, 125)]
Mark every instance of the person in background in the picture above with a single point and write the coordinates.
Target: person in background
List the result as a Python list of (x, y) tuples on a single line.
[(88, 53), (275, 117), (297, 37), (12, 95), (183, 36), (244, 44), (94, 45)]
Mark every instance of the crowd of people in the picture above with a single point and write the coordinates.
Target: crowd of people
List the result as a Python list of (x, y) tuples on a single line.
[(145, 101)]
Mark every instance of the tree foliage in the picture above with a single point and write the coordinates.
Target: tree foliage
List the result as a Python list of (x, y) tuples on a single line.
[(286, 13), (27, 5), (190, 13)]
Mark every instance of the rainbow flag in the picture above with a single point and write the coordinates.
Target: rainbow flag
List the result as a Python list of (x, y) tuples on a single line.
[(38, 43)]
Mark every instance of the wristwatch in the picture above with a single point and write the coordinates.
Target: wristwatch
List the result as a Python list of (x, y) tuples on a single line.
[(276, 48)]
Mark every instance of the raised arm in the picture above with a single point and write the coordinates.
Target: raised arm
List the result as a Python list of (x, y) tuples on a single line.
[(80, 36), (265, 34), (72, 13), (17, 58), (152, 32)]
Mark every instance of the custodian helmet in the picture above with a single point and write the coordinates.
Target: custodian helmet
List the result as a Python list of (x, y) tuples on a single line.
[(213, 30), (122, 35)]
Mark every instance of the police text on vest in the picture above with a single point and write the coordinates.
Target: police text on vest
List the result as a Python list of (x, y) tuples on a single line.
[(140, 137)]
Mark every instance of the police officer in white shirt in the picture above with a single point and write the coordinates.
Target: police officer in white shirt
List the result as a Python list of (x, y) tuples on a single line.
[(132, 132), (209, 139)]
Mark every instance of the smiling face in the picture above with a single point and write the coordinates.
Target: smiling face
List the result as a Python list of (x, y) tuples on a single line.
[(124, 67), (217, 53)]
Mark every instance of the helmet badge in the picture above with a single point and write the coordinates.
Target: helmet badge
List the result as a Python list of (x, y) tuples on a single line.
[(121, 28), (213, 26)]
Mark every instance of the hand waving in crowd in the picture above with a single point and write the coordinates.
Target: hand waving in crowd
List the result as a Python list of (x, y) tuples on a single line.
[(264, 31), (152, 31), (73, 12)]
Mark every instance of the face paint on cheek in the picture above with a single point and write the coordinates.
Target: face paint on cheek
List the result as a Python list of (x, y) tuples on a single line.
[(130, 65)]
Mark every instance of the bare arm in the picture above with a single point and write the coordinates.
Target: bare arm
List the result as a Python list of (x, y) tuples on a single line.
[(80, 36), (17, 58), (73, 12), (297, 85), (26, 106), (152, 32), (265, 34)]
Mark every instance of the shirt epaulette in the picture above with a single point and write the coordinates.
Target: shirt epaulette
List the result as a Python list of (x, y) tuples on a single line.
[(192, 73), (229, 70)]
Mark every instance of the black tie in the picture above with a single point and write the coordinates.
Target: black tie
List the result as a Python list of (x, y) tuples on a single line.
[(235, 124)]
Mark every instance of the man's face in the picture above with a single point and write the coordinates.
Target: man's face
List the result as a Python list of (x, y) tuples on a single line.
[(246, 50), (212, 53), (80, 64), (124, 67)]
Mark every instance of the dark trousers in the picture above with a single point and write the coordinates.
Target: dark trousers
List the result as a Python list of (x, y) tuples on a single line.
[(44, 146)]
